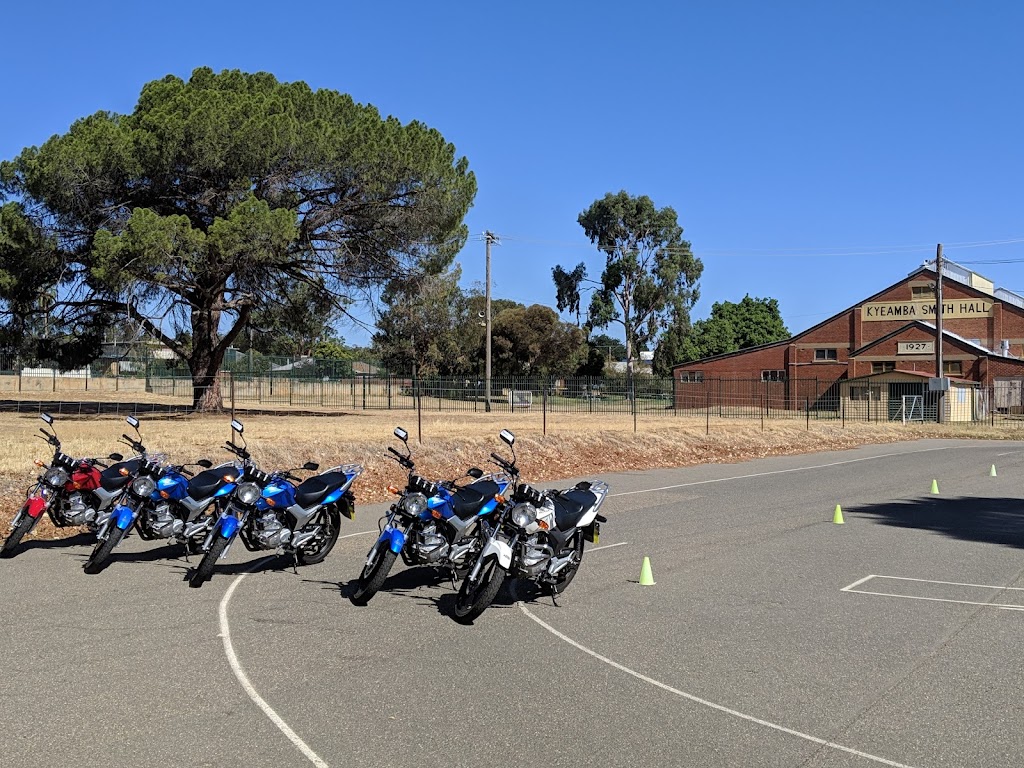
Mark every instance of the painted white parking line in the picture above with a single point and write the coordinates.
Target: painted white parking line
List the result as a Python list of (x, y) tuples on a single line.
[(360, 533), (784, 471), (987, 604), (710, 704), (1008, 453), (609, 546), (236, 667)]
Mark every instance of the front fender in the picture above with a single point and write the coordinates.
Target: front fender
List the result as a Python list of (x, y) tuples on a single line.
[(123, 517), (35, 506), (498, 549), (228, 526), (393, 538)]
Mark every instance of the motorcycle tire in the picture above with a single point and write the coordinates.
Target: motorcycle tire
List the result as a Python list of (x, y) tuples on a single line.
[(204, 570), (321, 545), (100, 557), (475, 597), (373, 575), (569, 573), (16, 535)]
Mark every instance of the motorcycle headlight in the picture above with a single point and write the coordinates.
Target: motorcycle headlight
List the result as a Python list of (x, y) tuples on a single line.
[(415, 503), (55, 477), (247, 493), (143, 486), (523, 515)]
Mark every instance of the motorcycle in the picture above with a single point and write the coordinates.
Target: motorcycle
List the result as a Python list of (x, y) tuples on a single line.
[(268, 512), (537, 535), (431, 524), (115, 524), (72, 492)]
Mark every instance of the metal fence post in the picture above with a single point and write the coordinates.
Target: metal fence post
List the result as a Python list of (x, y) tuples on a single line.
[(762, 412), (545, 406), (707, 410), (807, 410)]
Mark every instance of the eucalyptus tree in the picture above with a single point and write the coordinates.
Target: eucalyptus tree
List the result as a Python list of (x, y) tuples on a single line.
[(217, 197)]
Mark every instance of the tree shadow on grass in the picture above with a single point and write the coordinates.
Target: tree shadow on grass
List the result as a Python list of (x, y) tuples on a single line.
[(988, 520)]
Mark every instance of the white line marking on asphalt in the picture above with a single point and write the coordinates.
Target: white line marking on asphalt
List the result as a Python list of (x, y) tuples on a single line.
[(856, 583), (711, 704), (1009, 453), (951, 583), (236, 667), (1001, 606), (361, 533), (609, 546), (783, 471)]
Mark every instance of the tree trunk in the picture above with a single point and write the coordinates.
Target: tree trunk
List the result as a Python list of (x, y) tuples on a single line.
[(205, 361), (206, 392)]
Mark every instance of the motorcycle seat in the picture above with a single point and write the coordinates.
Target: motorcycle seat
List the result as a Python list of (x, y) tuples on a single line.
[(470, 499), (111, 478), (313, 490), (570, 507), (206, 483)]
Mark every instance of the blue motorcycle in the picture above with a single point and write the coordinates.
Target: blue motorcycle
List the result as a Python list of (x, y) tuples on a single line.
[(279, 511), (431, 524)]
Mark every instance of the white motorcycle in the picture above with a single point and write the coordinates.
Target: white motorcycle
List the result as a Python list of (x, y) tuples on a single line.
[(537, 535)]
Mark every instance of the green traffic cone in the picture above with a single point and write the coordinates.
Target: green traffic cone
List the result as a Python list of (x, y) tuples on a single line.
[(992, 472), (935, 486), (837, 516), (646, 577)]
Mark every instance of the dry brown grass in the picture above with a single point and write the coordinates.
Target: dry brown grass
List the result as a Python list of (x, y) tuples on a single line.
[(576, 445)]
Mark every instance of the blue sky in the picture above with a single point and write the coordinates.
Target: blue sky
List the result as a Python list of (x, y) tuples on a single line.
[(814, 152)]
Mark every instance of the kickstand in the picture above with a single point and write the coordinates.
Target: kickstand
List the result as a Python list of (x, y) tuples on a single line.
[(554, 602), (295, 563), (454, 585)]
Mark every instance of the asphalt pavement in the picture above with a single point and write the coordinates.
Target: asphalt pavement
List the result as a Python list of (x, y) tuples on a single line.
[(746, 652)]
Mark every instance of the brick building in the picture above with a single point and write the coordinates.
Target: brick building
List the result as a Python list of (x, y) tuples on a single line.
[(983, 339)]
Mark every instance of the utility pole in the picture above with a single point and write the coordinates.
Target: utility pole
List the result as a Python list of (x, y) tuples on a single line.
[(489, 237), (938, 330)]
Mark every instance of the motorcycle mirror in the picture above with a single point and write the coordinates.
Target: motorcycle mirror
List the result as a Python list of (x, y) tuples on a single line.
[(115, 457), (507, 437), (237, 426), (475, 472), (132, 422), (47, 418), (401, 434), (205, 463), (311, 466)]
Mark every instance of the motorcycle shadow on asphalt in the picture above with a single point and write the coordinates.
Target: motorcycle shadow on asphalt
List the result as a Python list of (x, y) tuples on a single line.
[(84, 539), (433, 587)]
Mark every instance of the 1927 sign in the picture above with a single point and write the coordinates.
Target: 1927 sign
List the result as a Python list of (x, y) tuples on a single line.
[(924, 310), (915, 348)]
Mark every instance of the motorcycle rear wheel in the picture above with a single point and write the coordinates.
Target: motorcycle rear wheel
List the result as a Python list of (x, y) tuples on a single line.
[(475, 597), (569, 573), (324, 542), (373, 575), (100, 556), (204, 570), (17, 533)]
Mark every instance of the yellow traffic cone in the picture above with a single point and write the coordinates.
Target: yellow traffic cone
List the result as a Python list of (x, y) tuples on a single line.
[(646, 577), (837, 516), (935, 486), (992, 472)]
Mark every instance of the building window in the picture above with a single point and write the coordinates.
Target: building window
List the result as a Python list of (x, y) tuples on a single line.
[(922, 291), (953, 367), (882, 367), (691, 377), (826, 354), (865, 393), (773, 375)]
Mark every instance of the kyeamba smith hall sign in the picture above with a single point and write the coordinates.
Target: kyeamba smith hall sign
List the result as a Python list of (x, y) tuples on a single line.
[(925, 310)]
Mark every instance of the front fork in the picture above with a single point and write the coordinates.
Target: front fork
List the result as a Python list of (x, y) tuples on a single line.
[(122, 516), (493, 547), (34, 507), (391, 536)]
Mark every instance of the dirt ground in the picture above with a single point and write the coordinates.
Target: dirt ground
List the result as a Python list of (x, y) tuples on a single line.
[(576, 445)]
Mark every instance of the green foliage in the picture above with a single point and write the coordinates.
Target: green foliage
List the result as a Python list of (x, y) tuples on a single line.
[(612, 347), (567, 288), (650, 273), (226, 195), (732, 327), (532, 340)]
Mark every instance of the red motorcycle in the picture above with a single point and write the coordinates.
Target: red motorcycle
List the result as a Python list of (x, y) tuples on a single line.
[(71, 491)]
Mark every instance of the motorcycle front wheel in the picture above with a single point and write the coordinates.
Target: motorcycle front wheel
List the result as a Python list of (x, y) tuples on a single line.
[(321, 545), (17, 533), (205, 568), (373, 575), (475, 596), (101, 552)]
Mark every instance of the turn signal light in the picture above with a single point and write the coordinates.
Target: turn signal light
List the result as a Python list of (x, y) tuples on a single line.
[(271, 502), (165, 495), (393, 489), (436, 514), (543, 524), (226, 478), (39, 463), (499, 498), (123, 471)]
